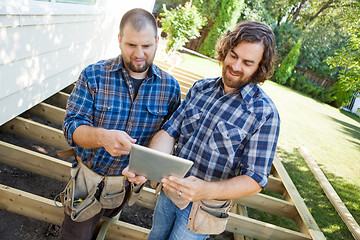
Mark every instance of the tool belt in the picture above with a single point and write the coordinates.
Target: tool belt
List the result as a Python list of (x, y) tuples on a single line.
[(88, 192), (206, 216)]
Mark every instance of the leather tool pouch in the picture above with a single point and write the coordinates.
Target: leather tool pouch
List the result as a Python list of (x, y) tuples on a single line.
[(209, 216), (88, 192), (113, 194), (134, 193)]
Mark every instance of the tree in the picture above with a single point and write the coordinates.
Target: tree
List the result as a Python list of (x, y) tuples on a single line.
[(181, 24), (347, 58), (288, 65), (228, 15)]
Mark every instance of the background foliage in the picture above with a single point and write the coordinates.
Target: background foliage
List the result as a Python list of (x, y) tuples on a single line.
[(329, 30), (181, 24)]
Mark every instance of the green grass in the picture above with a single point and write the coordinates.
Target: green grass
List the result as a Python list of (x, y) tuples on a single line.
[(332, 138)]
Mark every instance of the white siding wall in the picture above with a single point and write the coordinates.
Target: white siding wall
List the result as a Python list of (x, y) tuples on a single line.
[(44, 46), (356, 106)]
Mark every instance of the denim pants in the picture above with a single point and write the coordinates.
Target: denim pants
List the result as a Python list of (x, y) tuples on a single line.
[(169, 222)]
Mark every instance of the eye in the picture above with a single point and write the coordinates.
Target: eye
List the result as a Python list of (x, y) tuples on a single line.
[(249, 63)]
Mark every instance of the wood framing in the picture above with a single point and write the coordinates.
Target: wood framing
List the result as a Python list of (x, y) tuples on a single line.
[(288, 203), (330, 192)]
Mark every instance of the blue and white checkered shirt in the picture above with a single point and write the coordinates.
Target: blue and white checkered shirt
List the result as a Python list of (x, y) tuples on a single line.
[(226, 135), (104, 97)]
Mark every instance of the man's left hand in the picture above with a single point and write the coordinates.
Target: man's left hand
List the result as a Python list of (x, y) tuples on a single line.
[(190, 189), (132, 177)]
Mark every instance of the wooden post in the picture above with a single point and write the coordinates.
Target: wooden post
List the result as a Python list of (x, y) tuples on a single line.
[(331, 194)]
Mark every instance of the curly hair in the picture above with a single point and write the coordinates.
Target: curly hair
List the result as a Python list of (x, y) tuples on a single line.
[(253, 32)]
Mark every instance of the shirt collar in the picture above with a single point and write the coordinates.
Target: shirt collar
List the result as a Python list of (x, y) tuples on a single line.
[(119, 65), (246, 92)]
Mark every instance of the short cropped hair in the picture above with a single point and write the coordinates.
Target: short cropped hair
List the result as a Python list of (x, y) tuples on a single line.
[(138, 18), (253, 32)]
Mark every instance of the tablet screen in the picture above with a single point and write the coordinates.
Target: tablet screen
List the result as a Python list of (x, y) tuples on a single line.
[(155, 165)]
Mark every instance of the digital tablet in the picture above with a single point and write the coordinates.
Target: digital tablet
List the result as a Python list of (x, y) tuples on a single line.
[(155, 165)]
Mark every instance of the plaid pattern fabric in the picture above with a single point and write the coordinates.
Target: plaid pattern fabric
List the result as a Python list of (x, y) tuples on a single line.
[(104, 97), (226, 135)]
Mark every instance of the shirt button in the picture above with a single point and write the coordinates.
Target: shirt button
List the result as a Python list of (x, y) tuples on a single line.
[(108, 108)]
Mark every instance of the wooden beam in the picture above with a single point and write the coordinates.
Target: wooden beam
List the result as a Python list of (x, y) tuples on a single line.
[(36, 131), (260, 230), (69, 88), (59, 99), (34, 162), (48, 112), (269, 204), (241, 210), (307, 221), (40, 208), (183, 80), (275, 185), (43, 209), (330, 192), (40, 163)]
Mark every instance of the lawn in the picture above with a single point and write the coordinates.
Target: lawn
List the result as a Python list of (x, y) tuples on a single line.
[(332, 138)]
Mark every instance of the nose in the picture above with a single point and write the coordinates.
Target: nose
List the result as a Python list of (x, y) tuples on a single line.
[(139, 53), (237, 66)]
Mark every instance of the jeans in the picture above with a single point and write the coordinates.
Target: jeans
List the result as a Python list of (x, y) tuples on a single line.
[(169, 222)]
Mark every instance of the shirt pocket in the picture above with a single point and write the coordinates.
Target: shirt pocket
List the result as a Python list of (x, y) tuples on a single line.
[(226, 139), (157, 110), (190, 121), (107, 113), (156, 116)]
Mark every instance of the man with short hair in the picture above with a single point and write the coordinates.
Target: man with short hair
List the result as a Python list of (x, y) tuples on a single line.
[(115, 103), (229, 128)]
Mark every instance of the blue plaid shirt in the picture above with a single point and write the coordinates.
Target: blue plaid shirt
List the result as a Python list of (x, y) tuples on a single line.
[(226, 135), (104, 97)]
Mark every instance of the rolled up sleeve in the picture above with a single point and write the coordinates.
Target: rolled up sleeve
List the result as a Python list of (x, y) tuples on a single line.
[(259, 153), (79, 108)]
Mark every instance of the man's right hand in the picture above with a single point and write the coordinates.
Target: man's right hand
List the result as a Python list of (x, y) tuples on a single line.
[(116, 142)]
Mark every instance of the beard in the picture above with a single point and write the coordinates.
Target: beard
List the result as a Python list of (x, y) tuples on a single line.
[(138, 68), (234, 82)]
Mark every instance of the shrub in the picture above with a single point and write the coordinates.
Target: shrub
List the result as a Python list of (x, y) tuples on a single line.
[(181, 24), (288, 65), (229, 13)]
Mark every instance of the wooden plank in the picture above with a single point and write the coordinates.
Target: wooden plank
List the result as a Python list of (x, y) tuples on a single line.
[(68, 89), (307, 221), (40, 164), (183, 80), (269, 204), (330, 192), (59, 99), (275, 185), (34, 162), (43, 209), (40, 208), (241, 210), (37, 132), (48, 112), (260, 230)]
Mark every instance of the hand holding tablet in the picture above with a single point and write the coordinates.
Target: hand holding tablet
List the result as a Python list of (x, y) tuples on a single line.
[(155, 165)]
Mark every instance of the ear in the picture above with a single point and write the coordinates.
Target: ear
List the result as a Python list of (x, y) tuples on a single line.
[(119, 39), (157, 40)]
